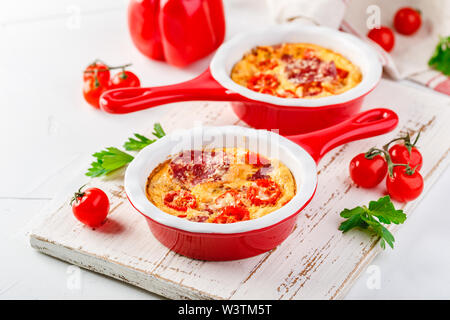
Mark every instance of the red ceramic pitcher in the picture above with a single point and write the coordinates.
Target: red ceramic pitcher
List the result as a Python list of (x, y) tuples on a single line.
[(176, 31)]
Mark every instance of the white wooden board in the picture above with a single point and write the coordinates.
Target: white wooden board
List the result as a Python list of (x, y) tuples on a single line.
[(316, 261)]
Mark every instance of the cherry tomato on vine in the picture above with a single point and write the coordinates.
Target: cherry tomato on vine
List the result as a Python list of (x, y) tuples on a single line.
[(90, 206), (92, 90), (263, 192), (368, 173), (407, 21), (180, 200), (124, 79), (384, 37), (97, 79), (232, 214), (399, 154), (99, 70), (404, 186)]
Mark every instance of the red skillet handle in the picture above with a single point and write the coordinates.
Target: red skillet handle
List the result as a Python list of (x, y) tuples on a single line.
[(127, 100), (363, 125)]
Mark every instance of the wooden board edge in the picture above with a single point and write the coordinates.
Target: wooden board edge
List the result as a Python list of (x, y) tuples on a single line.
[(154, 284)]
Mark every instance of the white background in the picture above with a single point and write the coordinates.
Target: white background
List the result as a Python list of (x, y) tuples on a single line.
[(47, 131)]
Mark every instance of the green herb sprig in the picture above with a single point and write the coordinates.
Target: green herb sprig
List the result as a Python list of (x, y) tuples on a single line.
[(111, 159), (158, 131), (440, 60), (136, 145), (373, 217)]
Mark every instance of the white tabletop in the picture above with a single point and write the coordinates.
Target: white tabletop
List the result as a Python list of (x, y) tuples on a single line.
[(47, 127)]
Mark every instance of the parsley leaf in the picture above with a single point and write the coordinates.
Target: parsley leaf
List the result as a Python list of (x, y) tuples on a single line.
[(111, 158), (354, 219), (385, 211), (96, 169), (440, 60), (108, 161), (387, 236), (136, 145), (378, 212), (158, 131)]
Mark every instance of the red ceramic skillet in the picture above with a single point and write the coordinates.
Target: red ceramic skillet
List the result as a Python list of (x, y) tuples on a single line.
[(263, 111), (300, 153)]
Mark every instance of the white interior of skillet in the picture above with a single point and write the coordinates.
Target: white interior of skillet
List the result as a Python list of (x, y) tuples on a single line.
[(266, 143), (358, 52)]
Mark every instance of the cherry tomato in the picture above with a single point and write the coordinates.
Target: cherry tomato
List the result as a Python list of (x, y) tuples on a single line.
[(229, 198), (96, 78), (384, 37), (407, 21), (124, 79), (180, 200), (263, 192), (399, 154), (262, 83), (232, 214), (92, 90), (102, 73), (90, 206), (368, 173), (402, 186)]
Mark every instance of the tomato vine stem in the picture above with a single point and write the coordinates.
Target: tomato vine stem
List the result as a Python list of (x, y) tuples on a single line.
[(102, 69), (77, 195), (406, 141)]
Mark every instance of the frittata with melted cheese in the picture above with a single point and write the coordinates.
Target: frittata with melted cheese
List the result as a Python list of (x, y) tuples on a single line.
[(220, 185), (296, 70)]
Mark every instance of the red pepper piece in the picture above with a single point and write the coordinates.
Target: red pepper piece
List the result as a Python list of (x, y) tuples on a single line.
[(264, 83), (232, 214), (180, 200), (264, 192), (342, 73), (144, 27)]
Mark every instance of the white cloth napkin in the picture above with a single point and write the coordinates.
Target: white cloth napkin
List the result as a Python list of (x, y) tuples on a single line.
[(308, 11), (408, 59)]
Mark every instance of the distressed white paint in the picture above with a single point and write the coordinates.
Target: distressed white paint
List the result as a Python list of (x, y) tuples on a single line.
[(316, 261)]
